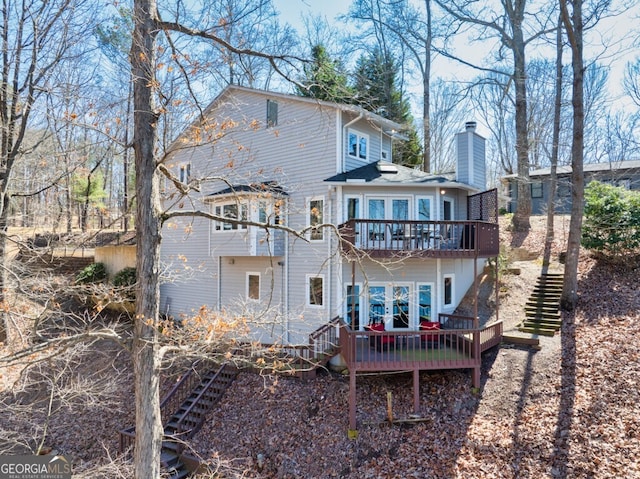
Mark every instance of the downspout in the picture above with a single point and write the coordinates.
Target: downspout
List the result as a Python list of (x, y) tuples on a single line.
[(219, 306), (329, 243), (339, 287), (285, 289)]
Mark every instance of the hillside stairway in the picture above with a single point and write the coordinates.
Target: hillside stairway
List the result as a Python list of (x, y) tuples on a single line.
[(191, 415), (542, 310), (192, 398)]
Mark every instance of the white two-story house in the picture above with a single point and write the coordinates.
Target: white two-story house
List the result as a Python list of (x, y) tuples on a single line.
[(379, 242)]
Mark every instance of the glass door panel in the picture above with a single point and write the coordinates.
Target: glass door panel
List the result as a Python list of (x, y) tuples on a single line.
[(400, 307), (376, 212), (424, 302), (352, 311), (377, 304)]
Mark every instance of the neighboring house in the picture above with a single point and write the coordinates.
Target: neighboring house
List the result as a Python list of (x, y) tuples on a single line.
[(381, 243), (621, 173)]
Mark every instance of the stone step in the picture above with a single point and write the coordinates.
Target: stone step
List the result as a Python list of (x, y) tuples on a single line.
[(527, 323), (541, 307), (542, 316), (519, 338), (541, 331)]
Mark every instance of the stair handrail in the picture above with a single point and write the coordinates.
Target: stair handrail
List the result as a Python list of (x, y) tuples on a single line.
[(185, 434), (180, 391), (325, 335)]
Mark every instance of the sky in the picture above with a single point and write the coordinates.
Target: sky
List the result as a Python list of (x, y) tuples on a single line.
[(615, 56), (291, 11)]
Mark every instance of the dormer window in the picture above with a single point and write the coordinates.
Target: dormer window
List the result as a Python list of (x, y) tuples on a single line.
[(358, 144)]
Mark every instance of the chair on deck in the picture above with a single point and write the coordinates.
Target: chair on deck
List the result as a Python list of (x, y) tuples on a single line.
[(427, 339), (379, 342)]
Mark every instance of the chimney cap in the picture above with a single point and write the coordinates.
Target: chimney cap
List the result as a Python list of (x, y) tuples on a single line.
[(470, 126)]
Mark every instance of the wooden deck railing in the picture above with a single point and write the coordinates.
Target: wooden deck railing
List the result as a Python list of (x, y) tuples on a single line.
[(457, 344), (436, 239)]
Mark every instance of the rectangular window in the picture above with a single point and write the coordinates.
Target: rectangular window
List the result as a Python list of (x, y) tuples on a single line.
[(536, 189), (316, 214), (624, 183), (448, 291), (353, 208), (358, 145), (185, 173), (315, 288), (253, 285), (272, 113), (424, 209), (236, 211), (270, 212)]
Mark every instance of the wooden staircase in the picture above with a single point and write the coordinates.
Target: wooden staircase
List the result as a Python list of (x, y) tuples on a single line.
[(191, 415), (542, 310), (191, 399)]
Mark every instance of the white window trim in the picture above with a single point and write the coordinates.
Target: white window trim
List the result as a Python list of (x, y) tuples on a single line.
[(359, 135), (218, 226), (248, 275), (308, 214), (307, 282), (451, 200), (453, 290)]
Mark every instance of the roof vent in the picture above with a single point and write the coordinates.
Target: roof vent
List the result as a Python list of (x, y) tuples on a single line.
[(470, 126), (386, 167)]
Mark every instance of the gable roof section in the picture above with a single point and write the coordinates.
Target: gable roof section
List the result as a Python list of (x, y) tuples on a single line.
[(587, 168), (268, 187), (390, 174), (388, 127)]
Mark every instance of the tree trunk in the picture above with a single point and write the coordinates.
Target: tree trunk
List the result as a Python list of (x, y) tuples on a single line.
[(426, 88), (553, 177), (146, 357), (4, 277), (574, 28), (523, 210)]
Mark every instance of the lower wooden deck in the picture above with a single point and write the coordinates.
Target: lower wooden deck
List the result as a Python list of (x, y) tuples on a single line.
[(458, 344)]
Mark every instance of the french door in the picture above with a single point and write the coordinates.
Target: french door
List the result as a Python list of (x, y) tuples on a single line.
[(387, 209), (389, 304)]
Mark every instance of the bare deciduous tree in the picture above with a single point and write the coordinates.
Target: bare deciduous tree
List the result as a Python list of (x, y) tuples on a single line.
[(516, 28)]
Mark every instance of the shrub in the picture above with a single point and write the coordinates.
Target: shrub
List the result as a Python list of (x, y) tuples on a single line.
[(125, 277), (612, 219), (93, 273)]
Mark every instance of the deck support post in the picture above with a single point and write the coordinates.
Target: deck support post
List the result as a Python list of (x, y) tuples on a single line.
[(476, 377), (476, 355), (416, 391), (352, 399)]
